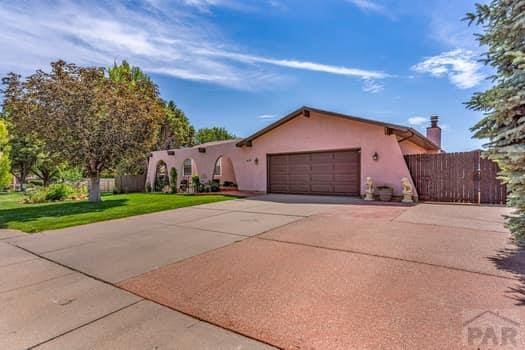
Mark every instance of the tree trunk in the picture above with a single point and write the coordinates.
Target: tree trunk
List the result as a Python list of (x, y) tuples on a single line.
[(94, 189), (21, 181)]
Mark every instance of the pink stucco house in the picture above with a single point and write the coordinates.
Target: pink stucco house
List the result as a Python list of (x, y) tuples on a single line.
[(308, 151)]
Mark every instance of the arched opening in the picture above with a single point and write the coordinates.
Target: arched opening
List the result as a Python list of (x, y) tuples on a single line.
[(224, 174), (162, 178)]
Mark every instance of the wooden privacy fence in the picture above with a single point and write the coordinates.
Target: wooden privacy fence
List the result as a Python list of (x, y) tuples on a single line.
[(106, 184), (130, 183), (456, 177)]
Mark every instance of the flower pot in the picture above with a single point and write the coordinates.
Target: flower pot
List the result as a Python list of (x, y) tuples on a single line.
[(385, 193)]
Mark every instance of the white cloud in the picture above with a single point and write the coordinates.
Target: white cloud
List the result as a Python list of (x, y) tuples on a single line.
[(266, 116), (367, 5), (417, 120), (460, 66), (157, 35), (372, 86), (277, 4), (297, 64), (206, 5), (447, 28)]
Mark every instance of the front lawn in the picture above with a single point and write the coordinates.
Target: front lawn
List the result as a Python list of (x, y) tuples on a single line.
[(48, 216)]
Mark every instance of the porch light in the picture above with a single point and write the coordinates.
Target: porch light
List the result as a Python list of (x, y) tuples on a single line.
[(375, 156), (256, 161)]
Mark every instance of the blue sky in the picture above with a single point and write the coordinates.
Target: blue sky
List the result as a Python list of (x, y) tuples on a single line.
[(244, 63)]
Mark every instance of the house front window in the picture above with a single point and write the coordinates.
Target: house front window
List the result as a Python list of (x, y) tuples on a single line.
[(186, 171)]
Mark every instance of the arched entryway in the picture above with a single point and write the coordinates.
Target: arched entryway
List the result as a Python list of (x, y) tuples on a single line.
[(162, 178), (223, 173)]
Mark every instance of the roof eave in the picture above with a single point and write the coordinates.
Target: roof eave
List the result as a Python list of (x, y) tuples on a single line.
[(288, 117), (421, 140)]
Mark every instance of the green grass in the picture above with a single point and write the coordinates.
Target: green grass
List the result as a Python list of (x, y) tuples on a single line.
[(49, 216)]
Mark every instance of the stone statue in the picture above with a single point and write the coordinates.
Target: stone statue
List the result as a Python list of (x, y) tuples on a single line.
[(407, 190), (369, 196)]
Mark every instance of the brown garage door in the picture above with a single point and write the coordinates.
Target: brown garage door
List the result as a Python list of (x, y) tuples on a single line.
[(315, 173)]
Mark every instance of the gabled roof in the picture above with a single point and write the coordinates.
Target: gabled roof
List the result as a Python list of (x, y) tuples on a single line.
[(404, 132)]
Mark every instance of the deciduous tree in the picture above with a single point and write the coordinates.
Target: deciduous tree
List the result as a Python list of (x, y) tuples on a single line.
[(503, 24), (176, 130), (212, 134), (86, 116)]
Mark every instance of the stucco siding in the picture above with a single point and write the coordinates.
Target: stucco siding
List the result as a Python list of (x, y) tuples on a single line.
[(408, 147), (301, 134), (321, 133)]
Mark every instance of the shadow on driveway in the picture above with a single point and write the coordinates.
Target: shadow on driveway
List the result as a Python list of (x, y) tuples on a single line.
[(317, 199), (513, 261)]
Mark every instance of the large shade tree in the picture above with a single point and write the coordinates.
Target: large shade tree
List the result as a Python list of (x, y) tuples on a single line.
[(213, 134), (87, 116), (503, 24), (176, 130)]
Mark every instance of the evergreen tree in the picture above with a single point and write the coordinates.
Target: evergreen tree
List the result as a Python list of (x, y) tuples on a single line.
[(503, 23)]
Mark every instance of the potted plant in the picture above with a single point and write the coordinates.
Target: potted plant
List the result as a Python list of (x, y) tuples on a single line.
[(385, 193)]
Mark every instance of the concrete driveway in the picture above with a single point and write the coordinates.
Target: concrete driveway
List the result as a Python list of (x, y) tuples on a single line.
[(290, 271), (58, 288)]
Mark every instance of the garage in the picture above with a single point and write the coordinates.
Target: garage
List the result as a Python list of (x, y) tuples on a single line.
[(323, 172)]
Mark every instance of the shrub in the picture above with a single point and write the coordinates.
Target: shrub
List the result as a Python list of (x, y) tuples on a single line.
[(81, 192), (214, 186), (196, 182), (59, 192), (35, 195), (148, 187), (173, 180), (55, 192)]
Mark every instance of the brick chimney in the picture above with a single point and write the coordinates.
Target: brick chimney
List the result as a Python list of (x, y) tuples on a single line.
[(434, 131)]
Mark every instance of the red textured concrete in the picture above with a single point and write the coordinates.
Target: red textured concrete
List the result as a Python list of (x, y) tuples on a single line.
[(488, 218), (377, 231), (296, 296)]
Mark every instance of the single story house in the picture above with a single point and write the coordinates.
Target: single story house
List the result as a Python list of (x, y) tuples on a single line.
[(309, 151)]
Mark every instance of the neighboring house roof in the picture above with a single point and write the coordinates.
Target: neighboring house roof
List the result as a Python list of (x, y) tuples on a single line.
[(403, 132)]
